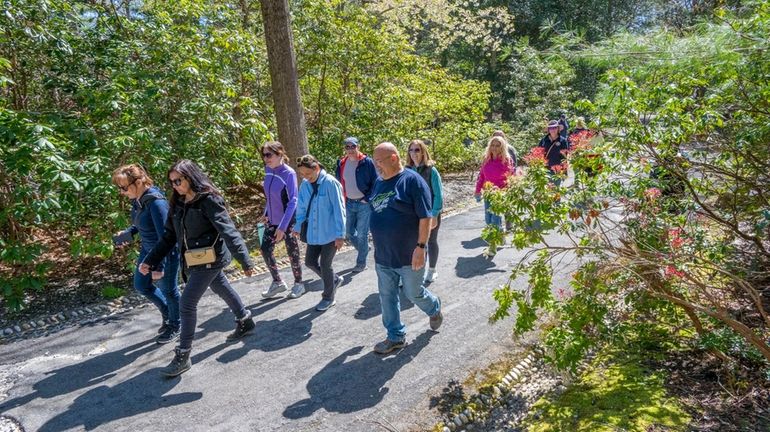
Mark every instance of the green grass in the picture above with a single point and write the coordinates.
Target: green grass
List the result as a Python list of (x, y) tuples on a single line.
[(112, 292), (617, 393)]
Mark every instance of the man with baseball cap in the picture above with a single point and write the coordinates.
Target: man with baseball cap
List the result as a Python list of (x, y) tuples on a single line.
[(357, 174)]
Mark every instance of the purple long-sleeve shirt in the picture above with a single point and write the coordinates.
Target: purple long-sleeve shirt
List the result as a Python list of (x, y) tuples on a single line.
[(281, 192)]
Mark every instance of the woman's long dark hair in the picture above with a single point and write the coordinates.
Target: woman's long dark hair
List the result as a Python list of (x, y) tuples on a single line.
[(199, 181)]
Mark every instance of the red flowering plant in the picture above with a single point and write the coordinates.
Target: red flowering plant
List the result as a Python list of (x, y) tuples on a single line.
[(664, 224)]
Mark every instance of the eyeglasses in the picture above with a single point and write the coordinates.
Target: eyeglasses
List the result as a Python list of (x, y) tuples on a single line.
[(125, 188), (415, 150), (350, 146), (267, 155), (177, 181)]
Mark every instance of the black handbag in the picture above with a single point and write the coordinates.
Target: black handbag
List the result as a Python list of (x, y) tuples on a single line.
[(303, 227)]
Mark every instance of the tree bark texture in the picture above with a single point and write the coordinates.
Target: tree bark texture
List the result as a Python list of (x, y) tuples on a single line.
[(287, 100)]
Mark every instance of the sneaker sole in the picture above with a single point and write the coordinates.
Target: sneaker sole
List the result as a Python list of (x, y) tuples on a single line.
[(392, 348), (172, 375), (165, 341), (326, 308), (296, 296), (271, 295)]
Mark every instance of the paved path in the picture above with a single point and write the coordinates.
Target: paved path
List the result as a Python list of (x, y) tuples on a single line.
[(301, 371)]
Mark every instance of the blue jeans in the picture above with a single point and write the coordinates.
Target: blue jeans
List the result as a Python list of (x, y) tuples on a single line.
[(357, 227), (415, 291), (491, 218), (164, 294)]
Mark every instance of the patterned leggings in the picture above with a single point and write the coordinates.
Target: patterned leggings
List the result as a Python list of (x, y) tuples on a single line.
[(292, 247)]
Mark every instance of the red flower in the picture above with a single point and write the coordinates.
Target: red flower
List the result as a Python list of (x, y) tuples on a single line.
[(671, 271), (536, 156), (675, 238), (652, 194)]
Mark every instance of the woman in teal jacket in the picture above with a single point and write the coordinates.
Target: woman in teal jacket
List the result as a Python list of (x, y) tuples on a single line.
[(321, 209), (419, 160)]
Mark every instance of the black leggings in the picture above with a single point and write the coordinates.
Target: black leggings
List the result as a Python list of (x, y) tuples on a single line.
[(292, 248), (433, 244), (319, 259)]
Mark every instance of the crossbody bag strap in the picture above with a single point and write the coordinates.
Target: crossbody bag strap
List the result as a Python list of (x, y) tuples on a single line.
[(184, 231), (312, 196)]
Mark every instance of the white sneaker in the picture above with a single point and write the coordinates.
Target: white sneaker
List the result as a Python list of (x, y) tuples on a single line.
[(297, 290), (275, 289), (431, 275)]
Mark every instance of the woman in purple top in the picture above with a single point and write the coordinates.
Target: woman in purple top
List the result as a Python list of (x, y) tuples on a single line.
[(281, 194)]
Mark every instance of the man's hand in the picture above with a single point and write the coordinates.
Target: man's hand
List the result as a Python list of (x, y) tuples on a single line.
[(249, 272), (418, 258), (279, 235), (144, 269), (338, 243), (157, 275)]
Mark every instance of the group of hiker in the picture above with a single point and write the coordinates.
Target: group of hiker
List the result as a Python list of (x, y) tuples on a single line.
[(399, 203)]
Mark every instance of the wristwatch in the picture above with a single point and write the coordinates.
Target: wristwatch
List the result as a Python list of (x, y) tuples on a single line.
[(421, 245)]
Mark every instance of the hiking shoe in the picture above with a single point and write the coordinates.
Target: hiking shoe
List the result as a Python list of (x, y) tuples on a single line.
[(359, 268), (171, 334), (243, 327), (437, 319), (163, 327), (337, 282), (276, 288), (388, 345), (297, 290), (431, 275), (325, 304), (179, 365)]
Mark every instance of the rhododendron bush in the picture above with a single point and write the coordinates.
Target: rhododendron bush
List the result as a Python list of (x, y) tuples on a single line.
[(663, 228)]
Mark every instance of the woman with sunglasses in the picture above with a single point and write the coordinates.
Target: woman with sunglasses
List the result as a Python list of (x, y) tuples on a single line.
[(199, 221), (419, 160), (321, 208), (280, 186), (496, 167), (149, 210)]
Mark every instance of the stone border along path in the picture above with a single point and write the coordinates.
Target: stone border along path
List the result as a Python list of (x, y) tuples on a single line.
[(510, 400), (46, 325)]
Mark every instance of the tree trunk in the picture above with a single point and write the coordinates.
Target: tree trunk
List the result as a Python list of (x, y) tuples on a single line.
[(287, 101)]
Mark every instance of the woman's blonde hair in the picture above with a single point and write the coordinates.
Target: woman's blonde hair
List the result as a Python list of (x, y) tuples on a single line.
[(426, 160), (503, 149), (133, 173), (276, 148)]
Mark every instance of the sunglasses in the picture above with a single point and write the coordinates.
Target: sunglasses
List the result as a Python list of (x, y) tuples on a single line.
[(176, 181), (415, 150), (267, 155), (307, 162), (125, 188), (350, 146)]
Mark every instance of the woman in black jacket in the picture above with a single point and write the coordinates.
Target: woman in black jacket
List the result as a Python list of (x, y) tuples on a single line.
[(198, 220)]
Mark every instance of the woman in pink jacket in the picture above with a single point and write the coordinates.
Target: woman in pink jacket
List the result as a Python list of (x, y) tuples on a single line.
[(495, 169)]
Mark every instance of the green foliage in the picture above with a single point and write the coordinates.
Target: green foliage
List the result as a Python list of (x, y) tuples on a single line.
[(616, 393), (667, 213), (111, 292), (85, 88)]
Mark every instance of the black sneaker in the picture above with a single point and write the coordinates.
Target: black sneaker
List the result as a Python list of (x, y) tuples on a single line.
[(179, 365), (388, 345), (163, 327), (243, 327), (169, 335)]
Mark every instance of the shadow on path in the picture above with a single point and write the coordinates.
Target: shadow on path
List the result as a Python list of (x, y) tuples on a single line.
[(469, 267), (371, 307), (94, 370), (141, 394), (476, 243), (349, 386)]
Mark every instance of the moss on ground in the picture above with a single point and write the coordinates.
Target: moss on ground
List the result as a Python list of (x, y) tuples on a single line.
[(615, 393)]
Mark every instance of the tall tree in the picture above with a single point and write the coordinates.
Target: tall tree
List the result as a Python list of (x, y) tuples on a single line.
[(283, 75)]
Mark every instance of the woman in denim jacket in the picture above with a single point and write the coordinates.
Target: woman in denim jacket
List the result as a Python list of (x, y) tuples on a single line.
[(321, 206)]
